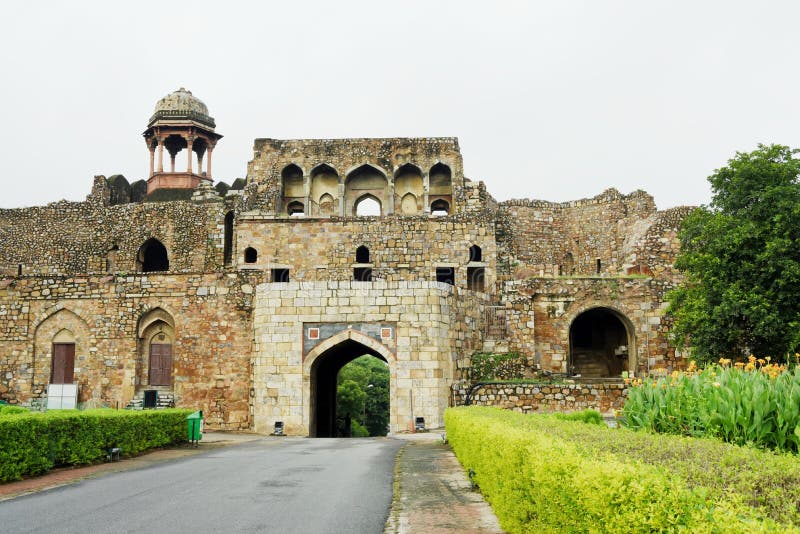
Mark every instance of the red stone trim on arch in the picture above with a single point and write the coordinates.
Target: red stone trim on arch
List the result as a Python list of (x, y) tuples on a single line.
[(349, 334)]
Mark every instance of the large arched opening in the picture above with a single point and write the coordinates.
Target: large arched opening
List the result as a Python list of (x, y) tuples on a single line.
[(602, 344), (322, 369)]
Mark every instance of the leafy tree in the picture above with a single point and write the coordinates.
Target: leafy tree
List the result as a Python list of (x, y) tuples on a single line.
[(369, 376), (741, 259)]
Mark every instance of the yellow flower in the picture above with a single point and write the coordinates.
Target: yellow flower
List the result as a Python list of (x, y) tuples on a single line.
[(716, 384)]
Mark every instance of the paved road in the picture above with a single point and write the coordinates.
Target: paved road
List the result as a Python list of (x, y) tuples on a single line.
[(273, 485)]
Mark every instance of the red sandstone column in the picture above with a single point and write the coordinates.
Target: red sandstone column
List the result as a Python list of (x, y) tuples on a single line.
[(189, 142), (152, 159), (208, 171), (160, 155)]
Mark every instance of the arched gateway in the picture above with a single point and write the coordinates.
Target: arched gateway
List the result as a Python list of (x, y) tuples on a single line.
[(322, 366), (602, 344)]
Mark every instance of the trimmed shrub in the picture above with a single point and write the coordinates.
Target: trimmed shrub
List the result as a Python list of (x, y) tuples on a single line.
[(35, 443), (544, 474), (8, 409), (592, 417)]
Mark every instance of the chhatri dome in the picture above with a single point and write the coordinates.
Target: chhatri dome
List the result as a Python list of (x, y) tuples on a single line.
[(180, 123), (182, 104)]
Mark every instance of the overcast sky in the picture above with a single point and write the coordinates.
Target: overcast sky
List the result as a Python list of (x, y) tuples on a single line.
[(554, 100)]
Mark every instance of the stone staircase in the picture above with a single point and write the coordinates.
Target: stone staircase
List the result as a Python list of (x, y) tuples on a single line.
[(165, 399), (590, 365)]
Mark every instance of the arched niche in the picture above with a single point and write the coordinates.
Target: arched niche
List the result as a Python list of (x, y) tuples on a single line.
[(365, 183), (408, 189), (292, 188), (152, 257), (440, 185), (324, 190)]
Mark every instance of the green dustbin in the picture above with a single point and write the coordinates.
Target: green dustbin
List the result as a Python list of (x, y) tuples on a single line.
[(194, 424)]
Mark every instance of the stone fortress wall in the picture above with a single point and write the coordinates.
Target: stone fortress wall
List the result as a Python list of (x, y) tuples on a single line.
[(237, 284)]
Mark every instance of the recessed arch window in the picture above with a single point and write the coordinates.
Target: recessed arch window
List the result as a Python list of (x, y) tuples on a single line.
[(362, 254), (295, 209), (367, 206), (475, 253), (152, 257), (440, 208), (250, 255)]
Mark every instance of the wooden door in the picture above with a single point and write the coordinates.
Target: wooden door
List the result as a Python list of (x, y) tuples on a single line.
[(160, 364), (63, 371)]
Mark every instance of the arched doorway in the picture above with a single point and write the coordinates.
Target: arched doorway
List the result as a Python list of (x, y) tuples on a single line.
[(156, 339), (601, 343), (322, 368)]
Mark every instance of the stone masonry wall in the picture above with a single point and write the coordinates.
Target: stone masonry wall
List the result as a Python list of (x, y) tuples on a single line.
[(429, 333), (537, 397), (401, 248), (541, 311), (212, 349), (271, 156), (73, 238), (537, 238)]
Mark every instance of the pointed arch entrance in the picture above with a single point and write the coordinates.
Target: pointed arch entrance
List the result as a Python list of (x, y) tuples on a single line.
[(321, 368), (602, 344)]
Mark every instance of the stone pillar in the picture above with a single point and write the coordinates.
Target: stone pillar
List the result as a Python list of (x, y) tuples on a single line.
[(426, 184), (306, 195), (189, 143), (160, 155), (341, 199), (208, 165), (390, 200), (172, 161), (152, 159)]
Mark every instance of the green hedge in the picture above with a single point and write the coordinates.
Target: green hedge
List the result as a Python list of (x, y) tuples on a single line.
[(35, 443), (544, 474)]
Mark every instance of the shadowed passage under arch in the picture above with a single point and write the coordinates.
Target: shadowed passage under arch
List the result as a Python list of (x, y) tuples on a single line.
[(601, 344), (324, 371)]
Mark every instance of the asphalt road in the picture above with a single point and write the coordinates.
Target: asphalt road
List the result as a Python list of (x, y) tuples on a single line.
[(273, 485)]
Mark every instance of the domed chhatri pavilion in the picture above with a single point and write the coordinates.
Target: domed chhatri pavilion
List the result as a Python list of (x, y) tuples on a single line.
[(245, 301), (180, 122)]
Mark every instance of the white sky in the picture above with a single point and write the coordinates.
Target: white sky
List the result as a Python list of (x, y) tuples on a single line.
[(554, 100)]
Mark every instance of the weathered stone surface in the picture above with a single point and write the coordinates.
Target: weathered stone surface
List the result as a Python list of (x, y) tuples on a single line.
[(240, 333)]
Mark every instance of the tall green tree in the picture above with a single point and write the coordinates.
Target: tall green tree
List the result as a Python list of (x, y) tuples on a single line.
[(363, 392), (741, 260)]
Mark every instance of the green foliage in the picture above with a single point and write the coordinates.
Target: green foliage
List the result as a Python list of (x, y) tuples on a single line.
[(35, 443), (544, 474), (488, 366), (7, 409), (741, 258), (730, 404), (592, 417), (357, 430), (369, 376)]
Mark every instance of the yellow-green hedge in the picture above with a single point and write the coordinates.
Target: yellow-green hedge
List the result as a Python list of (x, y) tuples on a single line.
[(34, 443), (543, 474)]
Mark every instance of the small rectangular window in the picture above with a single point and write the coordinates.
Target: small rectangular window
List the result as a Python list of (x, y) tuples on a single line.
[(362, 274), (446, 275), (279, 275), (599, 266), (475, 278)]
